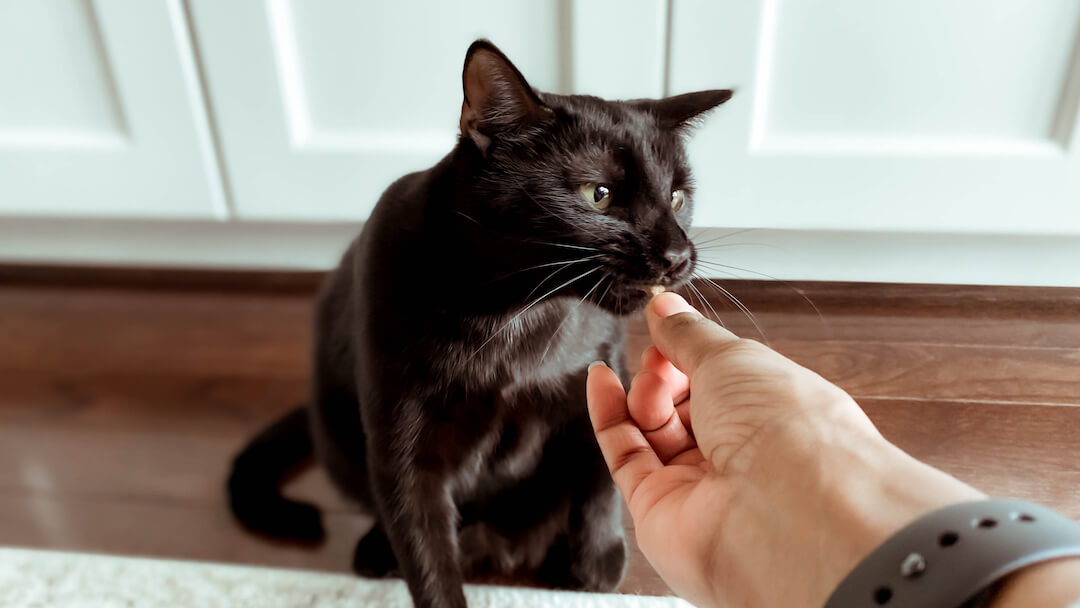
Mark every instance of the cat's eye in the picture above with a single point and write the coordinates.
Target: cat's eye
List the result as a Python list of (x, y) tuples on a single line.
[(677, 199), (597, 195)]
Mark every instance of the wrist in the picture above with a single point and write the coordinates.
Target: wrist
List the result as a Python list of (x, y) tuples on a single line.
[(1055, 583), (814, 505)]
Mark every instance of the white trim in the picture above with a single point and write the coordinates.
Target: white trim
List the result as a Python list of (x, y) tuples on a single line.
[(763, 75), (203, 244), (63, 139), (290, 77), (784, 254), (663, 46), (898, 257), (864, 145), (198, 101)]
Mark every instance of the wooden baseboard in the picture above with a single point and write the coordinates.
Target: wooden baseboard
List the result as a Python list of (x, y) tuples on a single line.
[(757, 295), (911, 298), (163, 278)]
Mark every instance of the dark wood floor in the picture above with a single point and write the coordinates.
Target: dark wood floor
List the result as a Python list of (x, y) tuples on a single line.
[(122, 397)]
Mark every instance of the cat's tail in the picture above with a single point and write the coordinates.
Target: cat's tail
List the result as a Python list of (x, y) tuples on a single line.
[(258, 473)]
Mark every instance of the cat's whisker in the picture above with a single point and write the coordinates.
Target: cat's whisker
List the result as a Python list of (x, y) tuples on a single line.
[(468, 217), (554, 334), (694, 297), (527, 308), (544, 207), (726, 273), (584, 259), (546, 265), (690, 287), (600, 299), (715, 246), (550, 276), (566, 245), (705, 302), (772, 278), (722, 236), (746, 311), (694, 293)]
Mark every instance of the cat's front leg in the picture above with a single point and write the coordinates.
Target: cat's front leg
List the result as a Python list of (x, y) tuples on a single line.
[(418, 515), (598, 553), (593, 554)]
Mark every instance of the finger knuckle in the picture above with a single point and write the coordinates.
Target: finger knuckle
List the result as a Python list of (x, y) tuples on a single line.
[(736, 348), (625, 458), (684, 321)]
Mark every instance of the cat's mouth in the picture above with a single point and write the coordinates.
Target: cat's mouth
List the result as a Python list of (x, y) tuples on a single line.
[(632, 297), (633, 284), (653, 290)]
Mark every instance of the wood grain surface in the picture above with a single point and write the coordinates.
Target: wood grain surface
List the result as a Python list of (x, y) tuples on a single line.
[(124, 393)]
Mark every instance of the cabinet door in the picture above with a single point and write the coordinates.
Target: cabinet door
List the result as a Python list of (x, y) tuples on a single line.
[(322, 104), (101, 112), (920, 116)]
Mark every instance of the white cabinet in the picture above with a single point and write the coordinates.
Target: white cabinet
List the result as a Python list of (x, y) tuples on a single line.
[(915, 141), (920, 116), (101, 112), (321, 104)]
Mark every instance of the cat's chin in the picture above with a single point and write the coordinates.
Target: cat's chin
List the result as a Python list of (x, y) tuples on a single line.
[(626, 302), (633, 299)]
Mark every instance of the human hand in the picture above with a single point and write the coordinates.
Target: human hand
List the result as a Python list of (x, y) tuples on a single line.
[(736, 465)]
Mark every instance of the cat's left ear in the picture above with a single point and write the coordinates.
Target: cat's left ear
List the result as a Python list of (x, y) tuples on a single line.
[(498, 101), (684, 110)]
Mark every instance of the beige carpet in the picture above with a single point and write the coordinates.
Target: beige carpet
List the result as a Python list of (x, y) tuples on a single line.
[(47, 579)]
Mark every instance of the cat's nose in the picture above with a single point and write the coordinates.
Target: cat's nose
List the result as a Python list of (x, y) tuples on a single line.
[(676, 261)]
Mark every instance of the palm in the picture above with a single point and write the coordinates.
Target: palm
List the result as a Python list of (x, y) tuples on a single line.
[(672, 532)]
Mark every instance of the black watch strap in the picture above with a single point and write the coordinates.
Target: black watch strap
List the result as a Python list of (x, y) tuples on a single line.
[(947, 557)]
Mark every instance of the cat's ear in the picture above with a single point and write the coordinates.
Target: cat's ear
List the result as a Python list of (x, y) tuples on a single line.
[(497, 100), (684, 110)]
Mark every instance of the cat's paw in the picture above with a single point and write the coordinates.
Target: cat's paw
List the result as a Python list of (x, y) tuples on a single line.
[(602, 571), (597, 570), (374, 558), (484, 552)]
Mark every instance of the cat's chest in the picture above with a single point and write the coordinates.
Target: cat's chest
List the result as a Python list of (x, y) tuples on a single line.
[(510, 451), (539, 348)]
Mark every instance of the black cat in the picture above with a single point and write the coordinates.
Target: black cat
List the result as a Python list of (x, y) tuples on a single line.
[(452, 342)]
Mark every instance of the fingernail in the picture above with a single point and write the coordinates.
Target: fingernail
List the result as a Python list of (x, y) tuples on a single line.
[(595, 363), (670, 303)]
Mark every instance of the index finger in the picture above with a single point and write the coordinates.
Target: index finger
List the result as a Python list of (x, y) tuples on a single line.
[(628, 455)]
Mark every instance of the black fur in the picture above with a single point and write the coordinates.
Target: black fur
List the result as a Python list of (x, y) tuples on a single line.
[(452, 342)]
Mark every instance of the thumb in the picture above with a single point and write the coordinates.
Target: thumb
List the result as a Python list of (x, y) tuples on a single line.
[(681, 334)]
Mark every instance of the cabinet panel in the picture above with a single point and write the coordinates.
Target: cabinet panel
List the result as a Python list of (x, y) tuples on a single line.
[(357, 67), (857, 118), (56, 76), (321, 105), (101, 112), (918, 69)]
